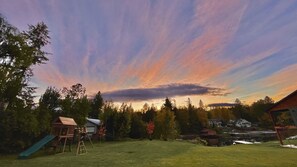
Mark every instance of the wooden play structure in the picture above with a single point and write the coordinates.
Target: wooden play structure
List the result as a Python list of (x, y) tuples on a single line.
[(63, 128), (284, 117), (64, 131)]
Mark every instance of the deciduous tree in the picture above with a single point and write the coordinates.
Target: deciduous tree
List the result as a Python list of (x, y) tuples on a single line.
[(150, 129), (258, 111), (75, 103), (19, 52), (165, 124)]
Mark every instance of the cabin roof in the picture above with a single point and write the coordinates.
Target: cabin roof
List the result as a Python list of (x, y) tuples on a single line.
[(65, 121), (287, 102), (94, 121)]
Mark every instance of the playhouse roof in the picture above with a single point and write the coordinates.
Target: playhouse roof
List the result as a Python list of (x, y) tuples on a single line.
[(286, 103), (65, 121)]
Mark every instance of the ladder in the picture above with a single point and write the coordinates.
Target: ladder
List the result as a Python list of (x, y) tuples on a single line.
[(81, 148)]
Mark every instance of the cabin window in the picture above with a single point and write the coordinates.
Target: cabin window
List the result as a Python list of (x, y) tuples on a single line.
[(90, 129)]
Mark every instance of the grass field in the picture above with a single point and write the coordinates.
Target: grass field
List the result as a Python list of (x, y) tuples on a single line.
[(163, 153)]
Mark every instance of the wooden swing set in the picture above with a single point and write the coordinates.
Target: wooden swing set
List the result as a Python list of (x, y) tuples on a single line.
[(66, 131)]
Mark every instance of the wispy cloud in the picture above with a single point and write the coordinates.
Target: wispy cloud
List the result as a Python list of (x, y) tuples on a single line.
[(283, 82), (172, 90), (122, 45)]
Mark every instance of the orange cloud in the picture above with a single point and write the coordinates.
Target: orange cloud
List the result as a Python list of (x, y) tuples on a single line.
[(283, 82), (50, 76), (183, 62), (203, 57)]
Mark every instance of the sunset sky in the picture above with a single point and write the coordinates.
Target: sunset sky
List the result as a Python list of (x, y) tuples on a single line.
[(141, 51)]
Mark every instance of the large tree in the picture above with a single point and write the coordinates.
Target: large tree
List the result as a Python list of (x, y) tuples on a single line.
[(19, 52)]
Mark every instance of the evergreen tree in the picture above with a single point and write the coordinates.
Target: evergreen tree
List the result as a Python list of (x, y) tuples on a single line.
[(110, 118), (49, 103), (168, 104), (96, 106), (137, 126), (150, 114), (201, 105), (182, 119), (202, 117), (124, 121)]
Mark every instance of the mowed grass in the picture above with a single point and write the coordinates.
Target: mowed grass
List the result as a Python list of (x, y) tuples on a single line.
[(163, 153)]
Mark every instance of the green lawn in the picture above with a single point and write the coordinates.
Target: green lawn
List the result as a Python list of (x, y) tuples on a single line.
[(164, 153)]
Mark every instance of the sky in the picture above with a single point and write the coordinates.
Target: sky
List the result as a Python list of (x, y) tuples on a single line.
[(142, 51)]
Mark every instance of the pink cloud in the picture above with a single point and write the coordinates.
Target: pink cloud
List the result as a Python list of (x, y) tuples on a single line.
[(107, 45), (197, 61), (50, 76), (283, 82)]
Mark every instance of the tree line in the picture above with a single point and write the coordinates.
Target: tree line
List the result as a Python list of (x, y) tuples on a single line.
[(123, 121), (24, 126), (22, 122)]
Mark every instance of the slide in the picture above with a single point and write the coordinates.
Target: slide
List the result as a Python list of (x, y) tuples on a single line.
[(36, 146)]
